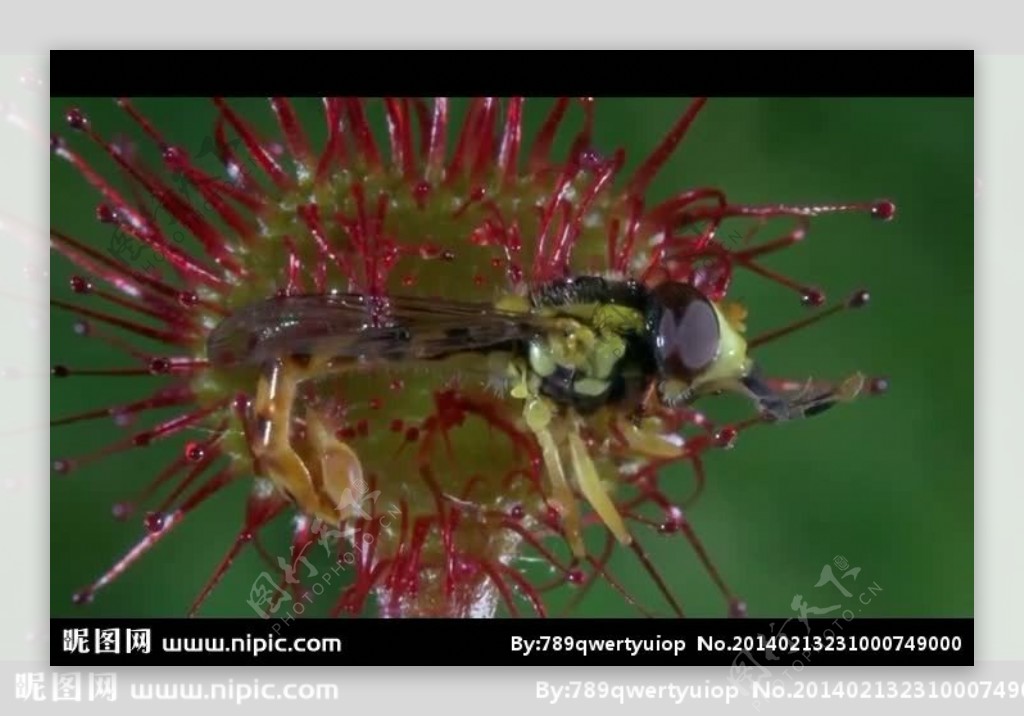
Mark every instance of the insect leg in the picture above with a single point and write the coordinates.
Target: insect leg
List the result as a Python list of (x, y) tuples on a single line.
[(778, 406), (648, 440), (341, 470), (539, 417), (318, 492), (275, 396), (590, 485)]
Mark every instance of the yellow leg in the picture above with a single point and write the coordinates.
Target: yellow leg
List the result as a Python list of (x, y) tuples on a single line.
[(342, 471), (539, 418), (316, 491), (648, 441), (590, 485), (551, 431)]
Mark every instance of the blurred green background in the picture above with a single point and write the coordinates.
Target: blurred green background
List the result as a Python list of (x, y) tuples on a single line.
[(885, 483)]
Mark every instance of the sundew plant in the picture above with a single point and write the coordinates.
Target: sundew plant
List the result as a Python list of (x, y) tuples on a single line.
[(425, 489)]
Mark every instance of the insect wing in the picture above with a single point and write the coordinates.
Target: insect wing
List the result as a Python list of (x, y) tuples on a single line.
[(361, 327)]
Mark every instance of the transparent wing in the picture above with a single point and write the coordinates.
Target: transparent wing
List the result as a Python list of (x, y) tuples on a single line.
[(361, 327)]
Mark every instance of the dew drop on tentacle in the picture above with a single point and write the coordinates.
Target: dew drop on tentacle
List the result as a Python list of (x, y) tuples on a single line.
[(76, 119), (878, 385), (859, 299), (105, 214), (812, 297), (883, 210), (154, 521), (725, 437), (80, 285), (737, 609), (195, 452), (176, 157)]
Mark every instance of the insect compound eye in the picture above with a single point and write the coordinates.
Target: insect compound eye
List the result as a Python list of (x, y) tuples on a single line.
[(685, 330)]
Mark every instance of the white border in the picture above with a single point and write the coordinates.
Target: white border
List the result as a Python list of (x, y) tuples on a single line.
[(1000, 391)]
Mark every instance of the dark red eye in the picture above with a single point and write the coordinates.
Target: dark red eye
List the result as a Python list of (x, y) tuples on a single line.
[(684, 328)]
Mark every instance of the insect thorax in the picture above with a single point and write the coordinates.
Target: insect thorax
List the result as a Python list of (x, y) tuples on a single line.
[(596, 354)]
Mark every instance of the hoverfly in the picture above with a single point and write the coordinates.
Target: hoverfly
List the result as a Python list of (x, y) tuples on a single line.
[(565, 349)]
